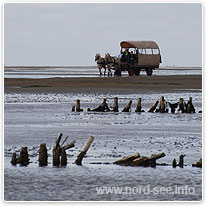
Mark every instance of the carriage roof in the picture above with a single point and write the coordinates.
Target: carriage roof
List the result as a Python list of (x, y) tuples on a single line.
[(139, 44)]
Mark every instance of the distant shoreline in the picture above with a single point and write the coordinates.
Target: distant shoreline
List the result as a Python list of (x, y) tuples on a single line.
[(95, 67), (49, 66)]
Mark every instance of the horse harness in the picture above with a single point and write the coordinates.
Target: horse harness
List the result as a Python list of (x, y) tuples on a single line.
[(112, 61), (101, 63)]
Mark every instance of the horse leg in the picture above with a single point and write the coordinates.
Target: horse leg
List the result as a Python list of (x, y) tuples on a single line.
[(108, 69), (104, 70), (100, 72), (109, 72)]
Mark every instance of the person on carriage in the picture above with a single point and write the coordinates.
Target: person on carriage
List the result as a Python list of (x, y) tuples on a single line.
[(121, 55), (126, 55), (132, 58)]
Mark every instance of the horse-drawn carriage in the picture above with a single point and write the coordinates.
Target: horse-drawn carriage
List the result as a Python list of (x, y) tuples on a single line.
[(137, 56)]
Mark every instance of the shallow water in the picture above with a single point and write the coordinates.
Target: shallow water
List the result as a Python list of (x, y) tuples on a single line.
[(32, 119), (51, 72)]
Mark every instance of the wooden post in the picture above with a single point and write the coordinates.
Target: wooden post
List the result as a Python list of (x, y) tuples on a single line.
[(141, 161), (153, 106), (56, 151), (43, 156), (23, 160), (181, 161), (127, 159), (73, 108), (78, 109), (77, 105), (102, 108), (58, 141), (56, 157), (174, 163), (198, 164), (146, 161), (70, 145), (156, 156), (127, 108), (162, 105), (14, 159), (115, 107), (181, 105), (63, 157), (84, 150), (190, 108), (139, 107)]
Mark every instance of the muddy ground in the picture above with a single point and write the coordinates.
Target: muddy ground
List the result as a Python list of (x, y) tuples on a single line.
[(106, 85)]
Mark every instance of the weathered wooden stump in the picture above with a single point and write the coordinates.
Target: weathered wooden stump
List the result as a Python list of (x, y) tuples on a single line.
[(174, 163), (43, 156), (102, 108), (128, 159), (137, 160), (56, 157), (78, 108), (57, 152), (70, 145), (181, 160), (154, 157), (182, 107), (128, 107), (58, 141), (73, 108), (115, 107), (162, 106), (84, 150), (23, 160), (14, 159), (152, 109), (148, 161), (139, 106), (141, 161), (190, 107), (63, 157), (198, 164)]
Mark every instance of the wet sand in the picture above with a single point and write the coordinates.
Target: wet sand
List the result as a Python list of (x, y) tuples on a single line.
[(36, 110), (134, 84)]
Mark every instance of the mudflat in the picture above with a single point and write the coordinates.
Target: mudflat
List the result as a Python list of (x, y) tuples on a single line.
[(136, 84)]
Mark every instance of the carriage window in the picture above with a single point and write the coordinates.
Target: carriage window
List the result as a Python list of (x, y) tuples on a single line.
[(155, 51), (148, 51), (142, 51), (133, 50)]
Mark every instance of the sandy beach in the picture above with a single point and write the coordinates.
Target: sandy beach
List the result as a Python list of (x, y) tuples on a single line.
[(138, 84)]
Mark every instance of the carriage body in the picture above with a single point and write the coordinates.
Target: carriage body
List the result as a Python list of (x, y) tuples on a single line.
[(146, 57)]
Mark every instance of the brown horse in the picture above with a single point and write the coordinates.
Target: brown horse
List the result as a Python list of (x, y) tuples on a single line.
[(100, 63), (112, 63)]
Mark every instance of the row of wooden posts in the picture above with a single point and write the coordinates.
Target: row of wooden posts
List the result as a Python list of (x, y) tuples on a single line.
[(59, 153), (60, 156), (183, 106)]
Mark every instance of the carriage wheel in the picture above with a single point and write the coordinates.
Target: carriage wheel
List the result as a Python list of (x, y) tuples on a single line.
[(137, 72), (118, 72), (131, 72), (149, 72)]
